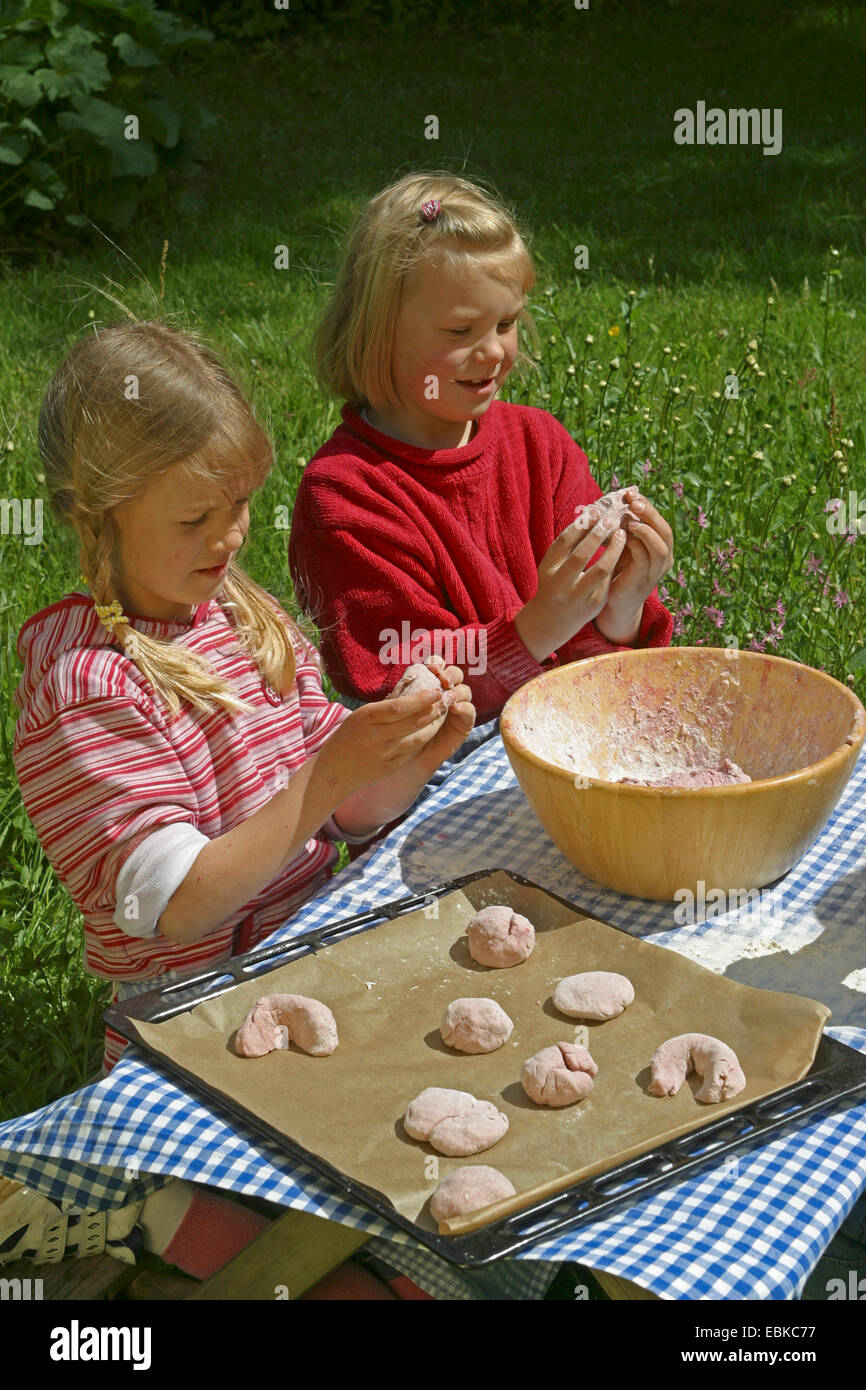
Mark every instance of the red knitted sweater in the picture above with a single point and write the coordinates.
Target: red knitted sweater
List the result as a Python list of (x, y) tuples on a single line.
[(397, 550)]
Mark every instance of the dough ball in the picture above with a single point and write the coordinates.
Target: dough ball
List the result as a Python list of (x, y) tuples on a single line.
[(432, 1105), (469, 1189), (461, 1136), (499, 937), (278, 1019), (454, 1122), (475, 1025), (713, 1060), (429, 675), (597, 995), (612, 504), (558, 1075)]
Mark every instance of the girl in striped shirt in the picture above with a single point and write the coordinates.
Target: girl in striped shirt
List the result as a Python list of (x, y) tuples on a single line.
[(180, 761)]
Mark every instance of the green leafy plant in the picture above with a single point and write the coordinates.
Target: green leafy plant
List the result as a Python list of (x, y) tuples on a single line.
[(92, 120)]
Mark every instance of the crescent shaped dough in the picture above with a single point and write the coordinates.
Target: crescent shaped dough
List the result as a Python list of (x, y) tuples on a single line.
[(713, 1060), (278, 1019)]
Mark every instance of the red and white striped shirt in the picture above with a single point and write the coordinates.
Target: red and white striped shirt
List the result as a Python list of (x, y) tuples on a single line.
[(101, 767)]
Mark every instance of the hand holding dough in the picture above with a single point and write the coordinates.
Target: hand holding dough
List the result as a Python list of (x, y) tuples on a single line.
[(500, 937), (427, 675), (469, 1189), (558, 1075), (278, 1019), (713, 1060), (475, 1025), (597, 995), (454, 1122)]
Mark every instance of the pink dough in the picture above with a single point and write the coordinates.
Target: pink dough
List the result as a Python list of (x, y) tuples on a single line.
[(500, 937), (713, 1060), (278, 1019), (612, 504), (428, 675), (558, 1075), (723, 776), (597, 995), (469, 1189), (475, 1025), (454, 1122)]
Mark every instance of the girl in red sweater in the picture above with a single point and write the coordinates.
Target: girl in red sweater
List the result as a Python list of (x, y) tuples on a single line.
[(437, 518)]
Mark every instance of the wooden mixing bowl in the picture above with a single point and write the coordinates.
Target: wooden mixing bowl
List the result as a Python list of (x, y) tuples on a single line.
[(571, 733)]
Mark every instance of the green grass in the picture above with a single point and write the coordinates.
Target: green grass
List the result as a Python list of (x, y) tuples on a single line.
[(722, 247)]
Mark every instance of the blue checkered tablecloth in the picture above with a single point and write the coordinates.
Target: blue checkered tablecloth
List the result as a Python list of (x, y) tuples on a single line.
[(751, 1228)]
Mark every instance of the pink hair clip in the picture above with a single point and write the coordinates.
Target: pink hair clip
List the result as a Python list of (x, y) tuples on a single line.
[(430, 210)]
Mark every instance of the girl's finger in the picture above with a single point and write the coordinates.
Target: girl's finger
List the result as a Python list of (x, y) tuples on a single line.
[(650, 539), (414, 708), (654, 519)]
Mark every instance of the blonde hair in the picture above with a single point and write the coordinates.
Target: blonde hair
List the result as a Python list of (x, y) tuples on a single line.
[(354, 344), (104, 441)]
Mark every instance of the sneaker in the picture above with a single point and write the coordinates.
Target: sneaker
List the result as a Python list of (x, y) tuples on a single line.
[(34, 1228)]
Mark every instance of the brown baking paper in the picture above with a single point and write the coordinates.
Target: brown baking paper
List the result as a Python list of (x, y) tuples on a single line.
[(388, 988)]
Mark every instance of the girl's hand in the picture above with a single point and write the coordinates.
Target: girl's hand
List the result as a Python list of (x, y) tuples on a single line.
[(569, 595), (460, 720), (377, 739), (647, 555)]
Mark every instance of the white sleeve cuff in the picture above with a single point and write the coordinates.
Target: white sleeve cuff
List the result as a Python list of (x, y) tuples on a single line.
[(334, 832), (152, 874)]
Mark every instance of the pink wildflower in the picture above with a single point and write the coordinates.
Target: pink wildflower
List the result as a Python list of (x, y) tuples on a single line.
[(717, 589), (678, 491), (756, 646), (646, 468), (833, 505), (614, 481), (841, 598), (702, 520), (780, 608), (813, 564), (681, 579), (715, 615)]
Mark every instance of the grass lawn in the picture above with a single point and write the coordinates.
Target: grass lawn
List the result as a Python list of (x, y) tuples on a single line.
[(706, 264)]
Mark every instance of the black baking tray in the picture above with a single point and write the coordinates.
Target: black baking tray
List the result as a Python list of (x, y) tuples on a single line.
[(838, 1073)]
